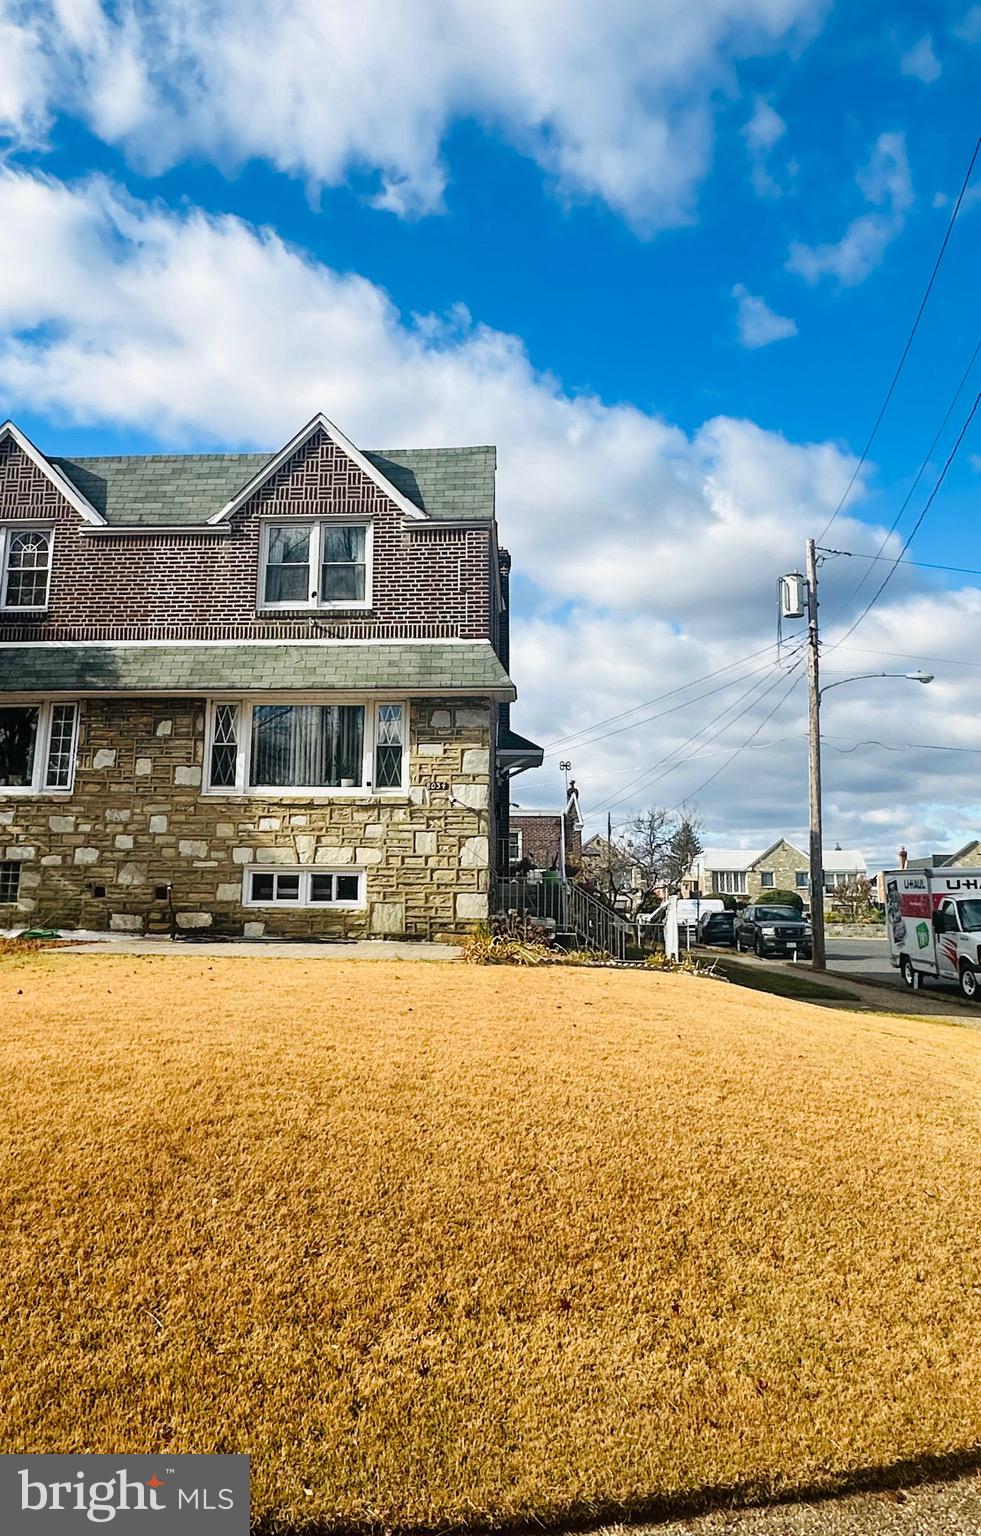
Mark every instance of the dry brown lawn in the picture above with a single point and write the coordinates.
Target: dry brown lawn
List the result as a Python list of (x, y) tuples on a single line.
[(437, 1244)]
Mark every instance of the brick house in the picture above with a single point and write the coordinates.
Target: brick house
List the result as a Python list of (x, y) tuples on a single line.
[(253, 693), (547, 840), (751, 872)]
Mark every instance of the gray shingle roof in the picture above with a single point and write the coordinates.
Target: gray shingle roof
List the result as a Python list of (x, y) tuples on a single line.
[(176, 488), (464, 667)]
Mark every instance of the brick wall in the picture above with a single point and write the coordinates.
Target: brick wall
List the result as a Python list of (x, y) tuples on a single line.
[(428, 581), (137, 819)]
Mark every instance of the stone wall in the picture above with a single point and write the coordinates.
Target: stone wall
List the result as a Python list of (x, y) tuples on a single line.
[(137, 821)]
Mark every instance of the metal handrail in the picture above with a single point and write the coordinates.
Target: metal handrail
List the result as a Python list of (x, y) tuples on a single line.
[(572, 910)]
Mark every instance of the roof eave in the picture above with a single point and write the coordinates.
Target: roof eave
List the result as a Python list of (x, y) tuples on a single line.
[(61, 483)]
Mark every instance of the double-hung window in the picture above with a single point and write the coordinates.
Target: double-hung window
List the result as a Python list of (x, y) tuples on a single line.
[(319, 748), (323, 564), (25, 567), (37, 748)]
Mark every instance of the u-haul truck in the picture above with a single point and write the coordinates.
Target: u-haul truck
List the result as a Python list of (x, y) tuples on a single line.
[(933, 920)]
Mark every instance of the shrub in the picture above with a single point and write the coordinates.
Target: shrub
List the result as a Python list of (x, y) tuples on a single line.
[(781, 899)]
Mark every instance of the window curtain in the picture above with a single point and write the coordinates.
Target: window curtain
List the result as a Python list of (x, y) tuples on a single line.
[(307, 745)]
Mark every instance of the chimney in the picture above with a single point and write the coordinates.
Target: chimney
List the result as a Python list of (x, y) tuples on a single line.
[(903, 856)]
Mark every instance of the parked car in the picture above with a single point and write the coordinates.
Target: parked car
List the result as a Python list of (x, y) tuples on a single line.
[(689, 909), (717, 928), (773, 931)]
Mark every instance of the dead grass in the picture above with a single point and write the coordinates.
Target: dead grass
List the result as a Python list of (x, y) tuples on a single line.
[(436, 1243)]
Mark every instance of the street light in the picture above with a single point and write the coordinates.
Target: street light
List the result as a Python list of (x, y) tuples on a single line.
[(912, 677), (818, 957)]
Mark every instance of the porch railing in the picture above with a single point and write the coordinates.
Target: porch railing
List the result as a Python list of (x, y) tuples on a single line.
[(575, 913)]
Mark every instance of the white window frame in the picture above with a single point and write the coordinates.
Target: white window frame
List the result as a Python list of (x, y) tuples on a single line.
[(306, 873), (242, 789), (316, 526), (42, 748), (730, 882), (6, 529), (768, 880), (514, 832)]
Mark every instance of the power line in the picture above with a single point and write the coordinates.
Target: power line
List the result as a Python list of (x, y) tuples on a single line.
[(909, 340), (651, 775), (685, 703), (898, 746), (919, 521), (947, 661), (923, 565), (749, 739), (560, 743), (924, 462)]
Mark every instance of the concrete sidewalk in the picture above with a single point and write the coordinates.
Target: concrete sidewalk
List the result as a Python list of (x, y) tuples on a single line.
[(932, 1509), (264, 949)]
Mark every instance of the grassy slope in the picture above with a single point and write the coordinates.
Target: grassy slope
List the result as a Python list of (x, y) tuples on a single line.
[(434, 1242)]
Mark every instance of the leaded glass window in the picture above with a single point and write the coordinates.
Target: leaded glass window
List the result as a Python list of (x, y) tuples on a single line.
[(224, 746), (388, 747)]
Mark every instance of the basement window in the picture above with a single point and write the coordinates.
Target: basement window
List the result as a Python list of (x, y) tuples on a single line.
[(9, 881), (37, 748), (303, 888)]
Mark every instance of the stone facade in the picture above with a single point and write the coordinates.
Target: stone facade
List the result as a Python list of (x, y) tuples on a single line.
[(137, 822), (784, 863)]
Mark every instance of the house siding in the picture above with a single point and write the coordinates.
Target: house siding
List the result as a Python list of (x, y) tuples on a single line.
[(137, 819), (785, 860), (428, 581)]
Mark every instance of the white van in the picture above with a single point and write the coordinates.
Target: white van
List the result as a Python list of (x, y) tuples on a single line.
[(933, 923)]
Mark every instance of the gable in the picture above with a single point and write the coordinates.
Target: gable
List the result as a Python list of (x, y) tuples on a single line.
[(31, 484), (780, 846), (319, 465)]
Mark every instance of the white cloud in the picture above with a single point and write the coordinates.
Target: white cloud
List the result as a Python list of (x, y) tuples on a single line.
[(612, 98), (969, 28), (887, 185), (764, 129), (665, 545), (921, 63), (757, 323)]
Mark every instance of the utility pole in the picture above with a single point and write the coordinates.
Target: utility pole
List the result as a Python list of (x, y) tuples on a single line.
[(818, 960), (609, 853)]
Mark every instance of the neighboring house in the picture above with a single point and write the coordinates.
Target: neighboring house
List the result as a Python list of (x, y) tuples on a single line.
[(262, 693), (751, 872), (547, 840)]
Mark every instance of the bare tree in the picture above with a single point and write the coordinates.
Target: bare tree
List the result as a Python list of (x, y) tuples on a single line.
[(650, 839), (853, 900)]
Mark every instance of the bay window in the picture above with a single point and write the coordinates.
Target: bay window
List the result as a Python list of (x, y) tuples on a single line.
[(322, 564), (272, 746), (37, 748), (25, 567)]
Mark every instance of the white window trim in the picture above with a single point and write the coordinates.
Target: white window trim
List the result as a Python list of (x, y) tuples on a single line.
[(316, 524), (6, 529), (512, 833), (305, 872), (42, 747), (243, 790)]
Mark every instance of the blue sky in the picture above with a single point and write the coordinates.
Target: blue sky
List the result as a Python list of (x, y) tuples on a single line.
[(544, 232)]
